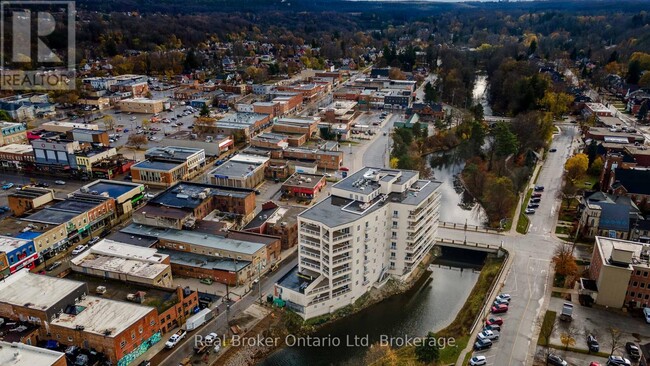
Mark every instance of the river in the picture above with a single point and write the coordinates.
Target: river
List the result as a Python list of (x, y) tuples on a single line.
[(428, 307), (480, 93)]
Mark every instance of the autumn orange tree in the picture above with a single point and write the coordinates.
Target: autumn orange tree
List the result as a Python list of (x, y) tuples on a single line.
[(564, 261), (576, 166)]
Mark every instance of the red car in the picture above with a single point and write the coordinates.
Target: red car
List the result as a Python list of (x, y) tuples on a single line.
[(594, 364), (501, 308), (494, 320)]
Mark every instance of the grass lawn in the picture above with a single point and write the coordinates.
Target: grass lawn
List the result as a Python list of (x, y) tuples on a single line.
[(549, 319), (588, 182), (562, 230), (522, 224)]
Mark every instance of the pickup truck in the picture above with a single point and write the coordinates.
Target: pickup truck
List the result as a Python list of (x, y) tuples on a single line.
[(567, 312), (175, 338)]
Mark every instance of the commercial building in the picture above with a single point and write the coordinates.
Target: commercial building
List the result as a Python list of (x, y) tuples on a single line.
[(194, 158), (241, 171), (158, 173), (331, 160), (48, 239), (120, 330), (601, 134), (20, 253), (12, 133), (619, 269), (20, 354), (141, 105), (295, 125), (232, 257), (280, 221), (124, 262), (17, 156), (29, 198), (212, 144), (340, 112), (289, 102), (303, 185), (604, 214), (56, 156), (390, 216), (64, 127), (184, 204), (88, 159), (88, 135), (597, 109), (127, 195), (268, 140), (246, 123)]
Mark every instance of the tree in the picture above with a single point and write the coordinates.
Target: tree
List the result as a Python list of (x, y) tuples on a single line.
[(596, 167), (109, 122), (614, 339), (564, 261), (396, 74), (145, 123), (557, 103), (205, 111), (568, 336), (477, 136), (505, 142), (547, 329), (4, 116), (569, 190), (136, 140), (576, 166), (394, 162), (428, 350), (430, 93), (499, 196), (633, 72)]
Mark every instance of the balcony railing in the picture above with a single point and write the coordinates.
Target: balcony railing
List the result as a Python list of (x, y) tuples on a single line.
[(343, 259), (310, 231), (341, 236)]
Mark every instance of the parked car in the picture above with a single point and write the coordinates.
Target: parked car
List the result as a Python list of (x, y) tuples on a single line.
[(482, 344), (42, 185), (210, 338), (496, 327), (536, 195), (536, 200), (632, 351), (497, 309), (594, 363), (494, 320), (145, 363), (529, 211), (489, 334), (478, 361), (60, 182), (7, 186), (53, 266), (646, 314), (555, 360), (79, 249), (94, 240), (533, 205), (592, 343), (552, 150), (618, 361), (499, 301), (539, 188)]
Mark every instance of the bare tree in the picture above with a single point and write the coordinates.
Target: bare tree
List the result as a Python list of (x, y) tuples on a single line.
[(614, 339), (109, 122), (136, 140), (546, 332)]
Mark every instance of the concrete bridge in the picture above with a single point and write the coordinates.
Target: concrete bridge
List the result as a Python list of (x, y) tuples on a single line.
[(464, 244)]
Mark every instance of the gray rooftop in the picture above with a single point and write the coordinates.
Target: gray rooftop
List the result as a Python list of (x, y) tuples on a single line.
[(195, 238), (204, 261), (35, 291), (242, 118), (231, 169), (156, 165), (186, 194), (173, 153)]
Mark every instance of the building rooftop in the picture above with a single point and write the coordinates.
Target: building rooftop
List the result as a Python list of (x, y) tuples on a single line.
[(304, 180), (31, 192), (597, 107), (271, 137), (8, 243), (156, 165), (101, 316), (187, 194), (298, 121), (232, 169), (141, 100), (88, 131), (16, 149), (191, 135), (293, 281), (195, 238), (171, 152), (112, 256), (205, 261), (242, 118), (35, 291), (20, 354), (65, 210), (141, 241), (114, 189)]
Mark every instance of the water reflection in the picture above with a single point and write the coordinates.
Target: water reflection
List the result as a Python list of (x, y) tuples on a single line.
[(428, 307)]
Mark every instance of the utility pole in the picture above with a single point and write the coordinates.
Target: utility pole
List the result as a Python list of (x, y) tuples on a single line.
[(259, 281)]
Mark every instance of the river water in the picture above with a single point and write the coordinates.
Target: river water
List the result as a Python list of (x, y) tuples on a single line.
[(428, 307)]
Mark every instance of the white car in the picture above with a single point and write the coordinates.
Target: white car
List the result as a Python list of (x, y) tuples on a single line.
[(505, 296), (646, 314), (59, 182), (503, 299), (149, 196), (478, 361), (79, 249), (210, 338), (489, 334)]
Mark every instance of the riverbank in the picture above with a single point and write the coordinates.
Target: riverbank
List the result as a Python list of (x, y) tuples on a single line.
[(282, 325), (460, 327)]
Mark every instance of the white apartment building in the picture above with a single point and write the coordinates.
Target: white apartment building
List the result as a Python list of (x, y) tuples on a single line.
[(376, 224)]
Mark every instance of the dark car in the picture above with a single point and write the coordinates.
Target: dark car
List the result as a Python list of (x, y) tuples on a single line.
[(145, 363), (42, 185), (533, 205), (552, 150), (536, 195), (632, 350), (493, 327), (555, 360), (482, 344), (539, 188), (592, 343), (535, 200)]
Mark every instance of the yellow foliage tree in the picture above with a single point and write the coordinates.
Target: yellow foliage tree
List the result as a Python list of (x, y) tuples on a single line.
[(576, 166), (394, 163), (557, 103)]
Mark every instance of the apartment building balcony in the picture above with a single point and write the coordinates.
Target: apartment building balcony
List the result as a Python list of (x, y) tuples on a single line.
[(308, 253), (306, 262), (310, 243), (342, 291), (344, 247), (341, 270), (345, 280), (341, 259), (319, 299), (319, 290), (310, 229)]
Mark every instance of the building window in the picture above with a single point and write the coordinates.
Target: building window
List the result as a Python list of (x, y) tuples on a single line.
[(645, 273), (639, 295), (140, 330), (393, 246), (122, 344), (635, 284), (638, 273), (395, 213), (153, 322), (632, 293), (133, 334), (70, 339), (642, 284)]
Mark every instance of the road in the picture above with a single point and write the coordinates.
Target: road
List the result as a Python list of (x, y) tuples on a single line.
[(219, 324), (528, 277)]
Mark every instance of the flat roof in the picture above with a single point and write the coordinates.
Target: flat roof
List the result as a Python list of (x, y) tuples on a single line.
[(16, 149), (304, 180), (186, 194), (114, 189), (200, 137), (171, 152), (156, 165), (9, 244), (110, 256), (205, 261), (52, 216), (195, 238), (88, 131), (271, 137), (141, 100), (28, 355), (35, 291), (293, 281), (242, 118), (100, 315), (232, 169)]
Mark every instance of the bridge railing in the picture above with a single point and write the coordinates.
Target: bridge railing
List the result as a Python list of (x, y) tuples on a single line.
[(468, 227), (469, 243)]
